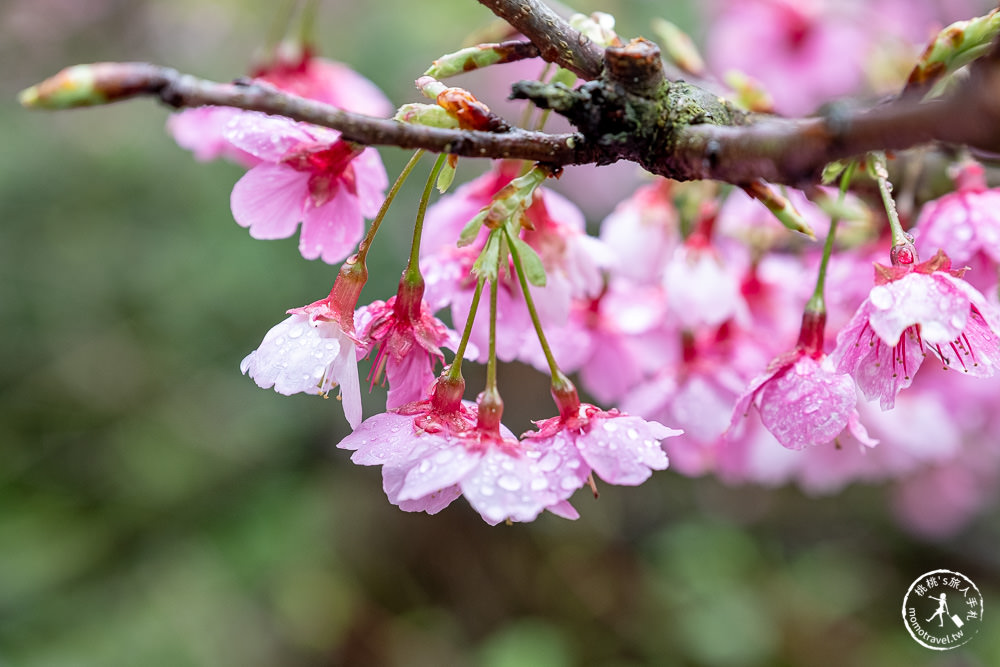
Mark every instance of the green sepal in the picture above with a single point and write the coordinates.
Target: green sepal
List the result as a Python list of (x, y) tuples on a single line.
[(485, 265), (471, 229), (956, 46), (446, 177), (531, 263)]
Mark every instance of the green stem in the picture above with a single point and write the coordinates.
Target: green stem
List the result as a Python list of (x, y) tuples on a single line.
[(280, 25), (455, 370), (393, 191), (885, 189), (308, 22), (530, 303), (412, 274), (491, 361), (817, 303)]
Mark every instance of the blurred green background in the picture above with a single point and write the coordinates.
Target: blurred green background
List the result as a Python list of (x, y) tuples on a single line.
[(158, 509)]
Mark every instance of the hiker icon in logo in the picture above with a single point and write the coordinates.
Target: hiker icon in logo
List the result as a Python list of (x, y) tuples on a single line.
[(928, 599)]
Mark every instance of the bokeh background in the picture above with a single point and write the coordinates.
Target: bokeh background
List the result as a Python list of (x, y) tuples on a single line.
[(158, 509)]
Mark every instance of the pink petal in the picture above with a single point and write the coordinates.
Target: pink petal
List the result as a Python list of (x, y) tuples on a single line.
[(384, 439), (269, 200), (333, 230), (202, 131), (370, 181), (440, 463), (807, 404), (916, 298), (345, 371), (624, 450), (408, 378), (268, 138), (503, 486)]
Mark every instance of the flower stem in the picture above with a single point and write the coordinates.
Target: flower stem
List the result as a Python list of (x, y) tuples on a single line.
[(366, 242), (412, 273), (491, 361), (455, 370), (885, 189), (817, 303)]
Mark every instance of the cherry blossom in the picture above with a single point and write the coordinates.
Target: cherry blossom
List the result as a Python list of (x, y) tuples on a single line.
[(620, 448), (432, 452), (409, 338), (965, 224), (307, 174), (910, 310), (309, 352)]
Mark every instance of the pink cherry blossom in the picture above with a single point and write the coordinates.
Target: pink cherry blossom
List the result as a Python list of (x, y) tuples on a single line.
[(643, 232), (965, 224), (307, 174), (409, 338), (803, 52), (910, 310), (620, 448), (430, 456), (309, 353), (802, 400), (203, 130)]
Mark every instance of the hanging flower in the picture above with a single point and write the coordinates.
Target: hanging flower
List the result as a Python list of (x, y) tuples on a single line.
[(310, 352), (911, 309), (433, 451)]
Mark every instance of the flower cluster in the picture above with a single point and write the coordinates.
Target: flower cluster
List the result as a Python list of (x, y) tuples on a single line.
[(772, 359)]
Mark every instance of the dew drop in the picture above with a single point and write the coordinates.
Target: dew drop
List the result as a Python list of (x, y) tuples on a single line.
[(610, 427), (509, 483), (632, 434), (569, 482), (881, 297), (424, 466), (549, 462), (295, 332), (539, 484), (486, 490)]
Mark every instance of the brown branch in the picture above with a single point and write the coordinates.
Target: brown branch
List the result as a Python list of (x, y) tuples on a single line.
[(795, 151), (111, 82), (556, 40)]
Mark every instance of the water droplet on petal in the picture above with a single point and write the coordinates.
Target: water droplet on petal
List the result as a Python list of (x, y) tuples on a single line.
[(549, 462), (569, 482), (610, 427), (486, 490), (632, 434), (881, 297), (509, 483), (539, 484)]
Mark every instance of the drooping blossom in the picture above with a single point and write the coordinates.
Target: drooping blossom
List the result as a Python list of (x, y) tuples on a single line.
[(309, 352), (802, 400), (409, 340), (435, 450), (643, 232), (620, 448), (965, 224), (307, 174), (913, 309)]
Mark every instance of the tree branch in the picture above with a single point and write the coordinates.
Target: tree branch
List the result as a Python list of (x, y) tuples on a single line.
[(556, 40), (112, 82)]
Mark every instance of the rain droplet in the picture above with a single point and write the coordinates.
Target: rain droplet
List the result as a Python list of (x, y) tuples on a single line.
[(509, 483), (549, 462), (610, 427), (569, 482), (486, 490), (539, 484), (632, 434), (295, 332), (881, 297)]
